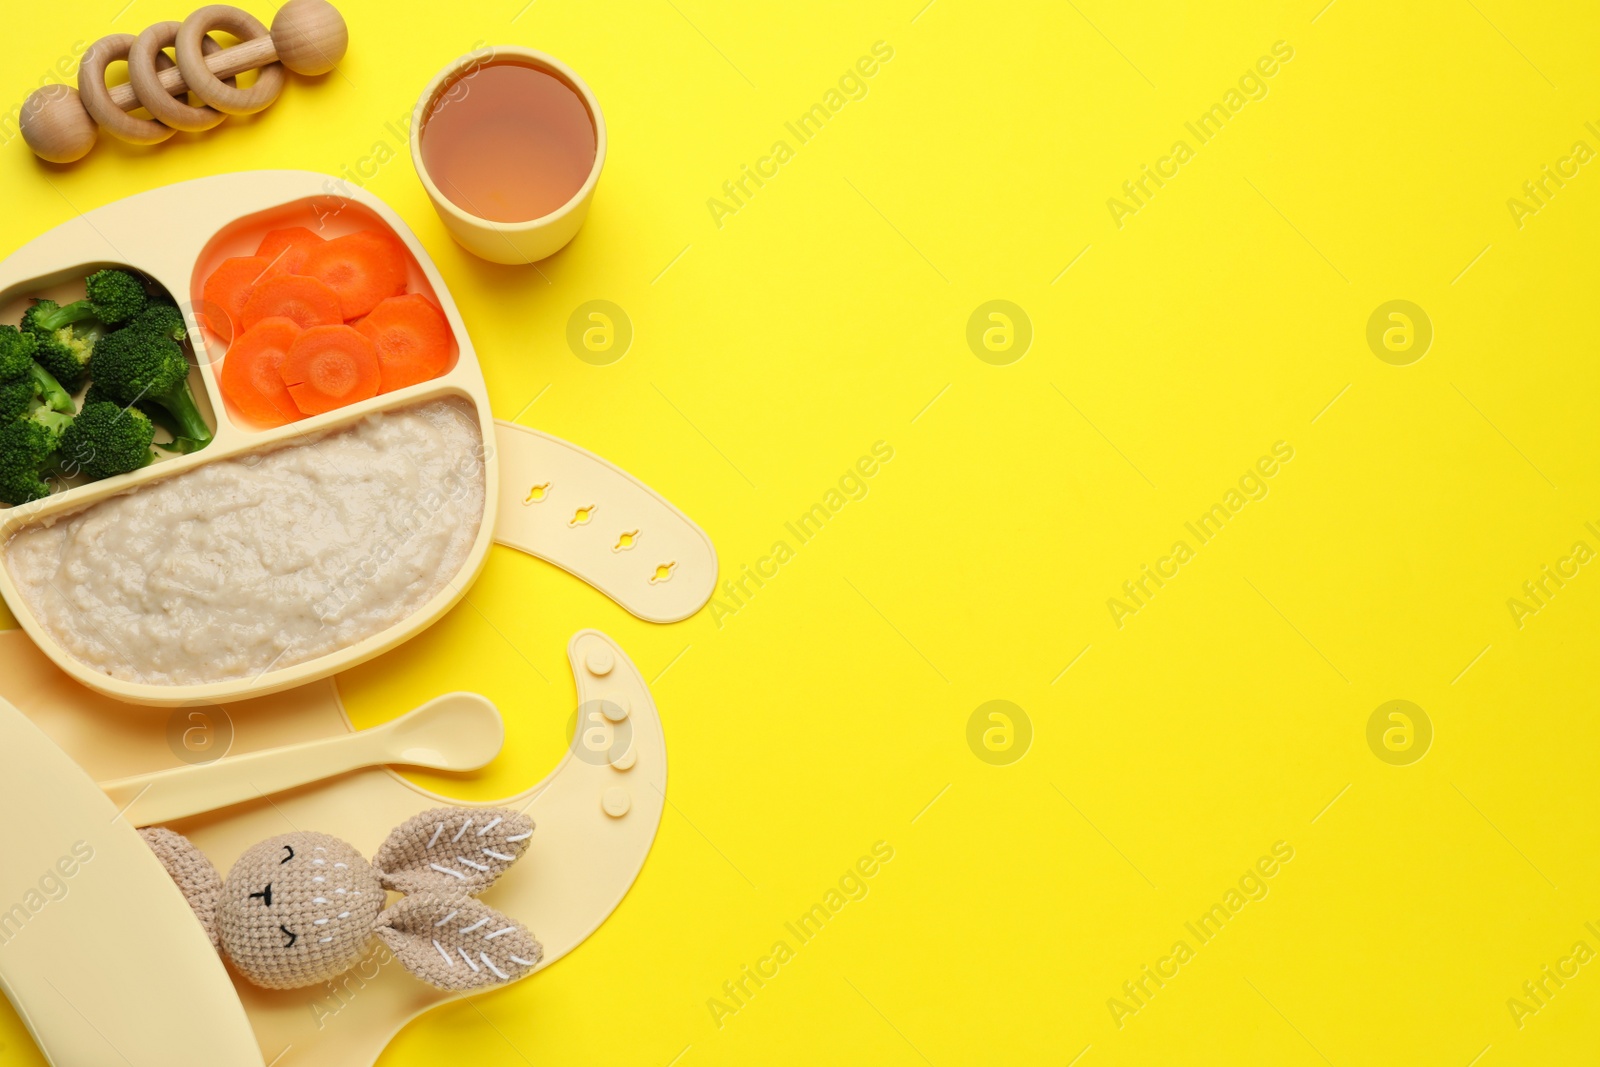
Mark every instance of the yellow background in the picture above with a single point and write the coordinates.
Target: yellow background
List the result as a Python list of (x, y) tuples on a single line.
[(1230, 712)]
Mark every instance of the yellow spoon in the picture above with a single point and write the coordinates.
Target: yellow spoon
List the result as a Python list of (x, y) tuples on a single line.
[(455, 732)]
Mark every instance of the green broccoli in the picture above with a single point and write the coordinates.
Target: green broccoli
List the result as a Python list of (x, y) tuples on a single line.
[(65, 353), (114, 297), (26, 448), (55, 422), (155, 414), (16, 352), (163, 317), (15, 397), (106, 439), (17, 386), (117, 295), (133, 366), (34, 412), (50, 392), (36, 315), (23, 382)]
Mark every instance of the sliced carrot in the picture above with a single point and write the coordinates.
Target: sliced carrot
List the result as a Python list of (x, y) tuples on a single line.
[(363, 268), (329, 367), (288, 248), (251, 376), (292, 296), (223, 296), (412, 337)]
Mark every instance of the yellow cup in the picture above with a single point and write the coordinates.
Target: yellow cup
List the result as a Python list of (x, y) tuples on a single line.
[(510, 242)]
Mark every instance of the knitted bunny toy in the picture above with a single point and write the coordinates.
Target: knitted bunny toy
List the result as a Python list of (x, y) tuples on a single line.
[(300, 908)]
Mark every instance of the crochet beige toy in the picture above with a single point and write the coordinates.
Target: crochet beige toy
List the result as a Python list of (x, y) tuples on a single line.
[(300, 908)]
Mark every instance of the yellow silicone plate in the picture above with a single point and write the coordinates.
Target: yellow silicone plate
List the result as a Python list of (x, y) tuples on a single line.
[(172, 235)]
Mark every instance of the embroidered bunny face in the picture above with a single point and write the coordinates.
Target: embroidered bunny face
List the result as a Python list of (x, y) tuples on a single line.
[(300, 908)]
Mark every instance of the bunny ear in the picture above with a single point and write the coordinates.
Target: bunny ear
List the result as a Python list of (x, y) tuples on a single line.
[(197, 879), (453, 850), (457, 942)]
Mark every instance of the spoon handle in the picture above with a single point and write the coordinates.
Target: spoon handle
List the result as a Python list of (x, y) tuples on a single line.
[(148, 799)]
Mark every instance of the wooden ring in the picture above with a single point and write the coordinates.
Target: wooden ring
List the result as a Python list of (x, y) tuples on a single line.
[(204, 84), (145, 59), (97, 98)]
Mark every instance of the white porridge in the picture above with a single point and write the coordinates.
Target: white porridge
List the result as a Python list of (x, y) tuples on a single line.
[(260, 562)]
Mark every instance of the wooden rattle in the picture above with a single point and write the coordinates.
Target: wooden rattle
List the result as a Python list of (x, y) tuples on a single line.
[(61, 124)]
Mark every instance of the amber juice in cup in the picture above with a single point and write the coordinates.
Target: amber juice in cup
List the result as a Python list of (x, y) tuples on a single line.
[(508, 142)]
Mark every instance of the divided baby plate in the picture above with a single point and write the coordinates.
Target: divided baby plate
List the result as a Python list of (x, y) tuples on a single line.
[(541, 495)]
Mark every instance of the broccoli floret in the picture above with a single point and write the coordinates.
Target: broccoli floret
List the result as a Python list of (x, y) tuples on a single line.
[(66, 334), (133, 366), (106, 439), (114, 297), (26, 446), (15, 398), (155, 414), (151, 411), (117, 295), (54, 422), (35, 415), (16, 353), (65, 353), (34, 317), (22, 381), (160, 316)]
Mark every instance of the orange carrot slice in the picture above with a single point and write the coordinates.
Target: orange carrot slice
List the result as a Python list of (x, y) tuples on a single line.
[(363, 268), (412, 338), (329, 367), (223, 296), (288, 248), (251, 376), (292, 296)]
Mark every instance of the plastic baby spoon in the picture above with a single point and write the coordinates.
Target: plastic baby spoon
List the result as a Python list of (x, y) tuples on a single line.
[(454, 732)]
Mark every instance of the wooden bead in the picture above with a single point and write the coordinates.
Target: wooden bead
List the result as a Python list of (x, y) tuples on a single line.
[(310, 36), (56, 125)]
